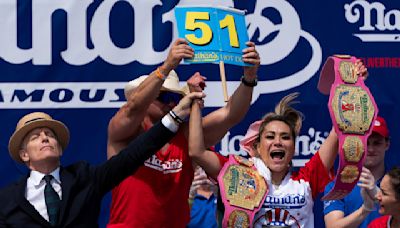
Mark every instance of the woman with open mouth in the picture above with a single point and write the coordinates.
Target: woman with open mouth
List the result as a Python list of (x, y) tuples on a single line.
[(289, 196), (389, 201)]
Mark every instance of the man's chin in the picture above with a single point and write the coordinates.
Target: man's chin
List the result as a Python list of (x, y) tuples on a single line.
[(368, 163), (53, 158)]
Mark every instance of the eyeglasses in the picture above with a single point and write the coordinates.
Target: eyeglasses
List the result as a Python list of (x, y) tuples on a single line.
[(167, 97)]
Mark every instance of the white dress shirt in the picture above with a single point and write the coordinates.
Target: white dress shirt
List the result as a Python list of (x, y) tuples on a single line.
[(34, 192)]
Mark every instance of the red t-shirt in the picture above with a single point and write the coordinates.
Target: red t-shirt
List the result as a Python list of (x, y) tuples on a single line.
[(156, 195), (381, 222)]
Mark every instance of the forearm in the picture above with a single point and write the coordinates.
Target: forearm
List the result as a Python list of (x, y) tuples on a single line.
[(209, 162), (148, 144), (129, 117), (196, 137), (197, 151), (239, 103), (352, 220), (329, 150), (132, 157), (141, 98), (217, 123), (241, 99)]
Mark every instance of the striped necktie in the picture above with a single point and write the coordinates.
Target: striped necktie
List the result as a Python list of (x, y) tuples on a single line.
[(52, 200)]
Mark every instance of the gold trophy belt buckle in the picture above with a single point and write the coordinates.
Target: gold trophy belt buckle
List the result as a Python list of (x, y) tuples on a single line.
[(242, 190), (353, 110)]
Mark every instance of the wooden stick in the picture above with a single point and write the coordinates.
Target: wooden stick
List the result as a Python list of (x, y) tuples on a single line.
[(223, 80)]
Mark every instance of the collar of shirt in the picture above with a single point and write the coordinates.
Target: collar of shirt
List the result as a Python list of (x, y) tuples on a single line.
[(264, 171), (34, 190), (36, 178)]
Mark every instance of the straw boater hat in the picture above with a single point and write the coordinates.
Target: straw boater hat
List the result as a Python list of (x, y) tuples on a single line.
[(30, 122), (171, 84)]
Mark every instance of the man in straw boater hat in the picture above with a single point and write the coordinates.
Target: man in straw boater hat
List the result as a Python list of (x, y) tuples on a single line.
[(55, 196), (157, 194)]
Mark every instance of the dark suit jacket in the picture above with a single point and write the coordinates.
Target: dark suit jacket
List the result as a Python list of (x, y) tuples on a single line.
[(83, 186)]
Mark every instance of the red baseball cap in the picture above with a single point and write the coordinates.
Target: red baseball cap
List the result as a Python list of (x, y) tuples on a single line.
[(380, 127)]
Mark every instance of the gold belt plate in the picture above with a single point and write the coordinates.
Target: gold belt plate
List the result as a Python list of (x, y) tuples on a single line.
[(244, 187), (238, 219), (353, 109), (349, 174), (347, 71), (353, 149)]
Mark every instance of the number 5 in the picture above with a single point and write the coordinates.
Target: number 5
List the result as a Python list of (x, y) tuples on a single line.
[(192, 25)]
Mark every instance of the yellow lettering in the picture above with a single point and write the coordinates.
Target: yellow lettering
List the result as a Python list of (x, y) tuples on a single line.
[(229, 22), (191, 25)]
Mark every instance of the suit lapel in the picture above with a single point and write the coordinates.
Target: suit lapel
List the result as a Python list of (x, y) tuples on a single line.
[(26, 205), (67, 181)]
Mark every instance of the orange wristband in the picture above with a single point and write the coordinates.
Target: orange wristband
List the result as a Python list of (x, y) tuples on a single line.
[(159, 74)]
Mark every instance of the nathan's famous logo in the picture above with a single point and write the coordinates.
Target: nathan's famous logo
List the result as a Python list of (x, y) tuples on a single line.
[(377, 21), (169, 166), (90, 36), (205, 56), (62, 95)]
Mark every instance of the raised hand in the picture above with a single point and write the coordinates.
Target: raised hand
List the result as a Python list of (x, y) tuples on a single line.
[(368, 203), (367, 181), (200, 181), (179, 50), (196, 83), (251, 56), (361, 69), (183, 108)]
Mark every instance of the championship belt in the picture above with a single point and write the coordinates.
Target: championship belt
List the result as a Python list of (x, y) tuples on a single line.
[(242, 190), (352, 109)]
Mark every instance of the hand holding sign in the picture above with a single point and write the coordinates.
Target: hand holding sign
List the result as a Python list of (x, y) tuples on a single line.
[(217, 35), (179, 50), (251, 56)]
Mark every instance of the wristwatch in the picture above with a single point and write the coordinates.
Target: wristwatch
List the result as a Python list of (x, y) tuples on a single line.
[(353, 110), (247, 83)]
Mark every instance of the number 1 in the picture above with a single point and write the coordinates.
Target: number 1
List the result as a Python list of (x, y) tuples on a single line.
[(229, 22)]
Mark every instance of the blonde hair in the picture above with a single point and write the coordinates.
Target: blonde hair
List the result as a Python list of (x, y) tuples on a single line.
[(285, 113)]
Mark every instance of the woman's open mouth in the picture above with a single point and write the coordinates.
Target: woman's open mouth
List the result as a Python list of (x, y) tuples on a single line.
[(277, 154)]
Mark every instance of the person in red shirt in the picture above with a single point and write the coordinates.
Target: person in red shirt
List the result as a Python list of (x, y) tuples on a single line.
[(156, 194)]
